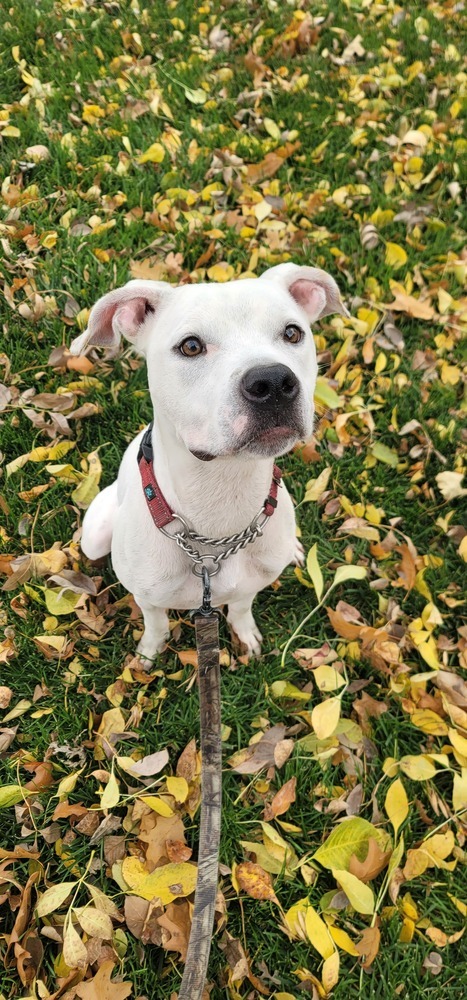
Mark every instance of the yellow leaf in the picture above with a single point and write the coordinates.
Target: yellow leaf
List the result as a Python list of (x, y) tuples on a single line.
[(351, 837), (318, 933), (91, 113), (342, 940), (95, 923), (462, 907), (54, 898), (221, 272), (432, 852), (326, 395), (154, 154), (86, 491), (396, 804), (276, 845), (74, 951), (178, 787), (407, 931), (330, 972), (170, 882), (325, 717), (295, 919), (158, 805), (60, 601), (11, 794), (67, 785), (418, 767), (327, 678), (359, 895), (316, 487), (271, 128), (459, 742), (459, 791), (111, 794), (344, 573), (384, 454), (314, 571), (263, 857), (395, 255), (429, 722), (284, 689)]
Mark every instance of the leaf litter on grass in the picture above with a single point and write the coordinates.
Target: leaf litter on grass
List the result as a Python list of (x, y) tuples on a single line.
[(187, 146)]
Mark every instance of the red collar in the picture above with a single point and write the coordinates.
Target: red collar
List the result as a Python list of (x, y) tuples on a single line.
[(158, 507)]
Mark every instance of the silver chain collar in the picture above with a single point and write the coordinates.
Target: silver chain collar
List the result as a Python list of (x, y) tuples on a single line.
[(233, 543)]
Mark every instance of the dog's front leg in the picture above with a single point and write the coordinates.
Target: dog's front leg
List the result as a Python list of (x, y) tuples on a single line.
[(156, 631), (243, 625)]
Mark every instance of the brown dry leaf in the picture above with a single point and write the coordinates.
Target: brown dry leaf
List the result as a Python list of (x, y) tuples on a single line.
[(453, 686), (282, 800), (418, 308), (29, 956), (23, 915), (340, 623), (142, 919), (157, 831), (236, 958), (407, 569), (372, 865), (6, 695), (367, 708), (102, 987), (262, 754), (178, 851), (433, 963), (441, 939), (272, 162), (253, 880), (368, 946), (176, 927)]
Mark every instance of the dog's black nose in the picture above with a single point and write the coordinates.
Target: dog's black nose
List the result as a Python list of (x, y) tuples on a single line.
[(269, 386)]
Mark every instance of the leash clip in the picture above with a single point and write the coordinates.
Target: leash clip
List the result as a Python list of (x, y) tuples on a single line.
[(206, 609)]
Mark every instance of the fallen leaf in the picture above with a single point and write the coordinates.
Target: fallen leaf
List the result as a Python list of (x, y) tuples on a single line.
[(102, 987), (253, 880)]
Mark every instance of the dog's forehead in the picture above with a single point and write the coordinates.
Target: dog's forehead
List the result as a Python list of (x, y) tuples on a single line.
[(239, 304)]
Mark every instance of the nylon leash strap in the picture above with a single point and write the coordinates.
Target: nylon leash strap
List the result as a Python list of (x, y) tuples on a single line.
[(207, 644)]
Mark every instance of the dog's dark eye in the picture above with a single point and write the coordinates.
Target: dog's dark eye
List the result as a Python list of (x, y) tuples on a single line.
[(191, 347), (293, 334)]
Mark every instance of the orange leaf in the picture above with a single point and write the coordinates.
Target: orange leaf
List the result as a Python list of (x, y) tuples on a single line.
[(368, 946), (253, 880), (282, 800)]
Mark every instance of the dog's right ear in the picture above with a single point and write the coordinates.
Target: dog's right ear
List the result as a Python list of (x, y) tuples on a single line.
[(122, 313)]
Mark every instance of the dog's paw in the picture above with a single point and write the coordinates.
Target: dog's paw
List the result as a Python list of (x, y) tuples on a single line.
[(299, 554), (247, 639), (148, 652)]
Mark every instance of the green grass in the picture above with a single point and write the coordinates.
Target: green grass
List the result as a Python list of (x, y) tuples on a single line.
[(74, 48)]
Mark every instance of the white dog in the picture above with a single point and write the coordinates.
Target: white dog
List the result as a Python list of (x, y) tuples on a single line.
[(231, 370)]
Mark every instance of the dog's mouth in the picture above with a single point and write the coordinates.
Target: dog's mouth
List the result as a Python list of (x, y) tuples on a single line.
[(271, 440), (264, 438)]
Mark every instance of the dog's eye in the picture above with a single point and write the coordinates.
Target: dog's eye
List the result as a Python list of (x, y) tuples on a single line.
[(191, 347), (293, 334)]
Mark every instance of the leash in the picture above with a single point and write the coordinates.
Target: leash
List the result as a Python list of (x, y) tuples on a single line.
[(206, 619)]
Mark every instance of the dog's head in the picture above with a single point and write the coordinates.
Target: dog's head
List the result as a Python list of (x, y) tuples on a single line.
[(231, 366)]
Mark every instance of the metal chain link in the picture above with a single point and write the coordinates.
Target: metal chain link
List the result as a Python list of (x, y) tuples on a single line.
[(233, 542)]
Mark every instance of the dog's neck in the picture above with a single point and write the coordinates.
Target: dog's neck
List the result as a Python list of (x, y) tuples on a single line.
[(218, 497)]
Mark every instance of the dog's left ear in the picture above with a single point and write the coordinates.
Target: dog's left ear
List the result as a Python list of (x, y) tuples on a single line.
[(313, 289), (124, 312)]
